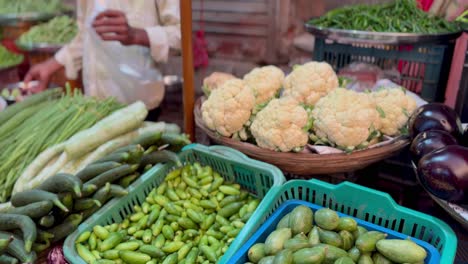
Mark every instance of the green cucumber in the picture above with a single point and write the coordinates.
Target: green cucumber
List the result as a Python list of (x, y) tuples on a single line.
[(175, 141), (86, 203), (112, 175), (33, 210), (33, 196), (128, 149), (4, 242), (148, 139), (161, 156), (7, 259), (117, 191), (16, 248), (27, 226), (62, 182), (93, 170), (121, 157), (47, 221), (67, 227)]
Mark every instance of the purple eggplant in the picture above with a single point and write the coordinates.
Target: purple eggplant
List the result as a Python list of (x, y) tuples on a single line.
[(429, 141), (444, 173), (435, 116)]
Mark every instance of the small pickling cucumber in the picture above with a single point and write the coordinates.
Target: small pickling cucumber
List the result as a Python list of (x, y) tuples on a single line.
[(148, 139)]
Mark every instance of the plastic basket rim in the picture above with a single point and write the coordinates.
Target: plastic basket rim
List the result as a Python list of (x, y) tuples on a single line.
[(446, 230), (276, 175), (296, 202)]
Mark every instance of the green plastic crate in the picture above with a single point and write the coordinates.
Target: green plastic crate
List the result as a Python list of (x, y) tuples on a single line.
[(366, 204), (425, 69), (254, 176)]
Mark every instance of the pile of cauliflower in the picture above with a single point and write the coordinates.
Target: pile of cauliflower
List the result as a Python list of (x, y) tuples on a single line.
[(285, 113)]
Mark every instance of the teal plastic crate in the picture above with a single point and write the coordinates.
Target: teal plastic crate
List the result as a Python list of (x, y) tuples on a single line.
[(254, 176), (366, 204), (425, 71)]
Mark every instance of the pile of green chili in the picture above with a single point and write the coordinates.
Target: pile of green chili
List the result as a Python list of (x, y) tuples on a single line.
[(399, 16)]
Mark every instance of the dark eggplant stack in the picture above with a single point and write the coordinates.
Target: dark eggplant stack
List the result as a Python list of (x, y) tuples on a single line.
[(440, 152)]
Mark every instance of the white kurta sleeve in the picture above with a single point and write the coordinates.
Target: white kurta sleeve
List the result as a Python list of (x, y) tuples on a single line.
[(167, 35), (71, 54)]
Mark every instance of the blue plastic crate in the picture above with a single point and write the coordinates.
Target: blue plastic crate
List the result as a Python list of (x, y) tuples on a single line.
[(433, 256), (428, 65)]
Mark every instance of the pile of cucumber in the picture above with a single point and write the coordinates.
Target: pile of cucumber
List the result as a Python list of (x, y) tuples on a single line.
[(333, 240), (191, 217), (52, 211)]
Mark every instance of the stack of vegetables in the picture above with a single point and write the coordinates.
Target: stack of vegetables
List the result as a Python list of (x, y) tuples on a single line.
[(52, 210), (333, 239), (60, 30), (8, 58), (398, 16), (191, 217), (65, 155), (41, 121), (31, 6), (307, 106)]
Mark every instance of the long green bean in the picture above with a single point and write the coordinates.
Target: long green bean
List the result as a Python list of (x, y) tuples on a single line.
[(53, 122), (402, 16)]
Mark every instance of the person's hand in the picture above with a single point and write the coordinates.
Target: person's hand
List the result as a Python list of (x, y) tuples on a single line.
[(112, 25), (42, 73)]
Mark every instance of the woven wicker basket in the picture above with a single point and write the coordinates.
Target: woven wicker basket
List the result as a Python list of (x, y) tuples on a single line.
[(306, 164)]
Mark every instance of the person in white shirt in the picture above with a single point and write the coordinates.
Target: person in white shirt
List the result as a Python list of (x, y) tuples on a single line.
[(143, 31)]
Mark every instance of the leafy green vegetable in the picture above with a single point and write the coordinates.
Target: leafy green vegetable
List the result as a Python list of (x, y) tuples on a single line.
[(29, 6), (59, 30), (8, 58), (398, 16)]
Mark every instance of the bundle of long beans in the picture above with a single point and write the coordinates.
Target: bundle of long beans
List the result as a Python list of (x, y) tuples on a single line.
[(399, 16), (38, 126)]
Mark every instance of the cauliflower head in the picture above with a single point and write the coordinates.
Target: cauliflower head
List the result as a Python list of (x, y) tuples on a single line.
[(214, 81), (282, 125), (265, 82), (394, 107), (346, 118), (228, 107), (309, 82)]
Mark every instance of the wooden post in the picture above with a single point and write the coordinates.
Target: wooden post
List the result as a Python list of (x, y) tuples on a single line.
[(188, 69)]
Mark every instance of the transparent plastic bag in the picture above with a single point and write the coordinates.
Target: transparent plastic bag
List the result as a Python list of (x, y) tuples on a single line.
[(127, 67)]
